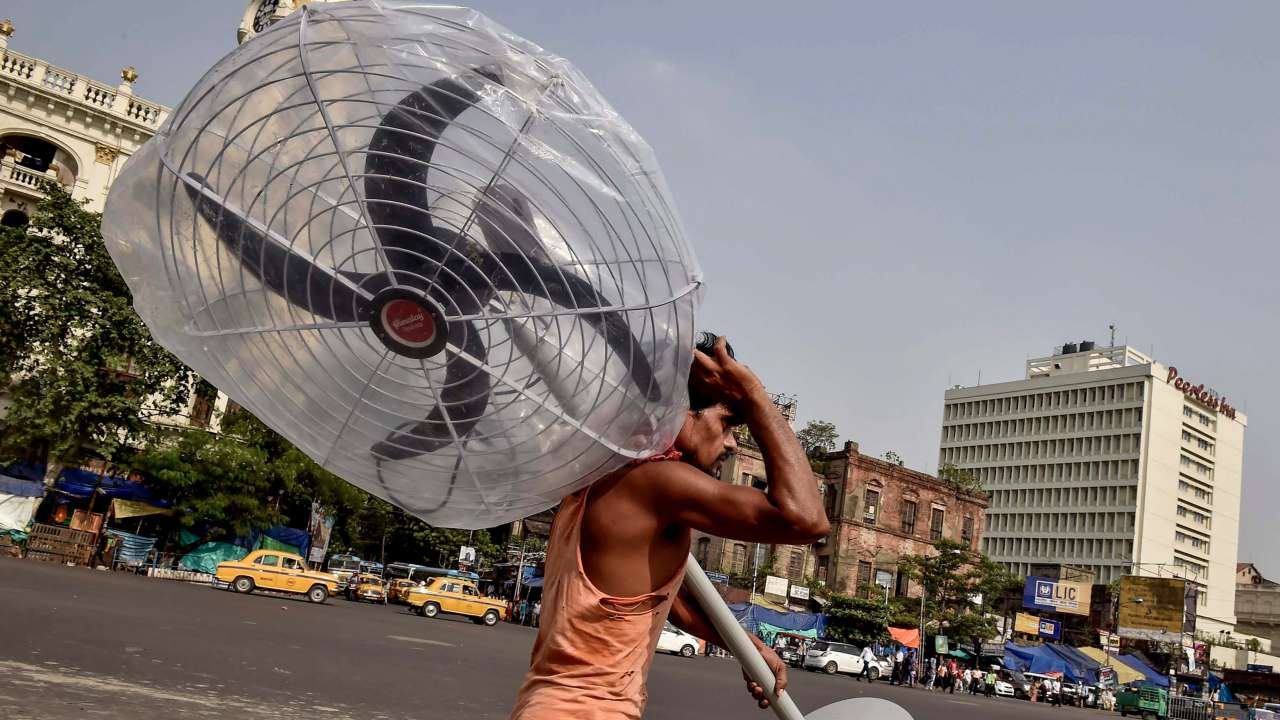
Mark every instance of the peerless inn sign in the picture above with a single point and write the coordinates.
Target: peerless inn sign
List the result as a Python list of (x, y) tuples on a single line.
[(1199, 393)]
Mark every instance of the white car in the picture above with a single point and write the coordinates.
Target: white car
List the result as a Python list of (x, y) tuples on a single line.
[(834, 657), (1004, 688), (677, 642)]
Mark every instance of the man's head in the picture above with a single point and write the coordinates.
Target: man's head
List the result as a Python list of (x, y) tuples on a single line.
[(706, 438)]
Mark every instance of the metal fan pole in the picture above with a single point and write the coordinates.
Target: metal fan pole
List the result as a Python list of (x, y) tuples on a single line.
[(737, 639)]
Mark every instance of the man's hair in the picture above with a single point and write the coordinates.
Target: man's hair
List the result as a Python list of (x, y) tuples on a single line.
[(698, 400)]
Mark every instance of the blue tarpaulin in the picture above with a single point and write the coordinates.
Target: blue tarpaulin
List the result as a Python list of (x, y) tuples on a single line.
[(20, 487), (290, 536), (81, 483), (1073, 664), (133, 549), (1152, 676), (751, 615)]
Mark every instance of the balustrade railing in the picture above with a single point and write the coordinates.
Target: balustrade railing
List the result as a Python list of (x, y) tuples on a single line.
[(50, 78)]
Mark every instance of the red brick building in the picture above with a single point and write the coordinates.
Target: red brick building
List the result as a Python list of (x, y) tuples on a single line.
[(880, 512)]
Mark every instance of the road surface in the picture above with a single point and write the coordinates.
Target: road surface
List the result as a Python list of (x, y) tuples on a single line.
[(79, 643)]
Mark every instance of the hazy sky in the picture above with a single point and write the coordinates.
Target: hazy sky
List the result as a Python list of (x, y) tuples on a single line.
[(891, 198)]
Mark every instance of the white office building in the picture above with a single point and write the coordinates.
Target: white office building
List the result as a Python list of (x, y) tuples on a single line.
[(1106, 459)]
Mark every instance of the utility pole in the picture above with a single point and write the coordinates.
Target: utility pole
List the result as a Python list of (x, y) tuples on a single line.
[(519, 571)]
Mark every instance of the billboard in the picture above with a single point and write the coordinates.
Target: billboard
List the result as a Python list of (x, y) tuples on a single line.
[(775, 586), (319, 528), (1152, 608), (799, 592), (1049, 595), (1025, 623), (1040, 627)]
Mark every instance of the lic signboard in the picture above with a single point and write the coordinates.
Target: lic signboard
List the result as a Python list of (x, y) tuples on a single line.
[(1050, 595)]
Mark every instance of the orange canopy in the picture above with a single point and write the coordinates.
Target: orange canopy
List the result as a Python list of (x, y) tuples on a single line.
[(908, 637)]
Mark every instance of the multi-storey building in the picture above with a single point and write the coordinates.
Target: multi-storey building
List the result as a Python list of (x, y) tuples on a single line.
[(61, 126), (1104, 458), (879, 513)]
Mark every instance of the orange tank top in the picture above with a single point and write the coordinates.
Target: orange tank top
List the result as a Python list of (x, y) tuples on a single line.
[(591, 659)]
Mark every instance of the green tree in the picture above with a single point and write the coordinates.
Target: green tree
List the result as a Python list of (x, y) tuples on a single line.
[(894, 458), (961, 479), (961, 587), (860, 621), (818, 437), (81, 369)]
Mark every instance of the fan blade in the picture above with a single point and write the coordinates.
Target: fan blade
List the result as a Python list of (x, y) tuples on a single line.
[(396, 167), (461, 403), (268, 257), (506, 217), (534, 277)]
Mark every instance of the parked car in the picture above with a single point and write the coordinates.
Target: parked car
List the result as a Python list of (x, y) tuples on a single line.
[(678, 642), (791, 647), (367, 588), (457, 596), (834, 657), (1015, 684), (275, 570), (398, 590)]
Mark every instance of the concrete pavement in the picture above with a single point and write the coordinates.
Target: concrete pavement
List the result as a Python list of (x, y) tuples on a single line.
[(77, 643)]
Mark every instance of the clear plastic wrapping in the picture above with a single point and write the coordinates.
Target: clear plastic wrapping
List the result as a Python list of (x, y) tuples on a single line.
[(424, 250)]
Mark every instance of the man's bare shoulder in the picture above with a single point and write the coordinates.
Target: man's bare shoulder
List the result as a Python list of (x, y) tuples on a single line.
[(662, 479)]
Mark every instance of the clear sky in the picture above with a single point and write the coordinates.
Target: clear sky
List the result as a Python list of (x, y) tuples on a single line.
[(891, 198)]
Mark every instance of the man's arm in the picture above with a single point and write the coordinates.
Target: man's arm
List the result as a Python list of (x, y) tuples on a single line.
[(789, 511), (688, 615)]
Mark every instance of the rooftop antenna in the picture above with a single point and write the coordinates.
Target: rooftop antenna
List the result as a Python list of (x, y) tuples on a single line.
[(1112, 327)]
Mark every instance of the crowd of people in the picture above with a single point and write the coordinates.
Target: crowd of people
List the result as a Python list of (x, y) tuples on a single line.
[(524, 612)]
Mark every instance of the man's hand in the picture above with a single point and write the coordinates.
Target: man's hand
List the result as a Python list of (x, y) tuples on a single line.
[(778, 668), (724, 378)]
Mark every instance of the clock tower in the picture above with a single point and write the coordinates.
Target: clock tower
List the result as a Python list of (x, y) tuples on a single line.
[(262, 14)]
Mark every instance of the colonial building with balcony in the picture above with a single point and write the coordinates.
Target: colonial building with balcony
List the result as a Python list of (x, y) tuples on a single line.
[(881, 512), (63, 127)]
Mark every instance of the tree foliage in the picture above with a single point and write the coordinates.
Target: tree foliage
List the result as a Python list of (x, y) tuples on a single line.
[(249, 478), (961, 479), (80, 366), (860, 621), (961, 587), (818, 438)]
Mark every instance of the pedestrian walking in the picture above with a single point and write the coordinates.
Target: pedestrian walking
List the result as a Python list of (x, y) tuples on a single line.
[(898, 666), (989, 683), (537, 612), (868, 659), (1057, 693)]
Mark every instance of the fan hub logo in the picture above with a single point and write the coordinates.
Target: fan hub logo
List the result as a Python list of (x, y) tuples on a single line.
[(408, 323)]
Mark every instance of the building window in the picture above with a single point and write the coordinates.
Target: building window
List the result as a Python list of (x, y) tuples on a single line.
[(823, 563), (909, 517), (864, 577), (904, 584), (753, 481), (202, 409), (935, 524), (14, 219), (704, 546), (966, 531), (829, 501), (795, 566), (870, 507), (739, 559)]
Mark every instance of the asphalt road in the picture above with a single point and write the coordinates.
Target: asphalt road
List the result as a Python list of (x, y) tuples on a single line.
[(80, 643)]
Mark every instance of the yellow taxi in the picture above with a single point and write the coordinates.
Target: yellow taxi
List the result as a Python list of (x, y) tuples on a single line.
[(398, 591), (457, 596), (366, 588), (275, 570)]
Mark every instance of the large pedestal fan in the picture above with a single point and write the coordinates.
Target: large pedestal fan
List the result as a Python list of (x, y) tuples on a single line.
[(428, 253)]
